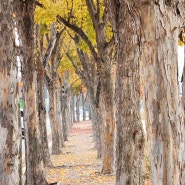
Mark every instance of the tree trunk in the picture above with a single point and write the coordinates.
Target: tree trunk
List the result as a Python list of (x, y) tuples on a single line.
[(9, 115), (163, 108), (98, 128), (65, 106), (107, 94), (58, 114), (54, 127), (42, 120), (68, 110), (73, 108), (90, 116), (83, 107), (42, 105), (34, 162), (77, 107), (130, 137), (54, 94)]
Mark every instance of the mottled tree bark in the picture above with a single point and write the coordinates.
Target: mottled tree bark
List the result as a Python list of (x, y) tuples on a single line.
[(163, 110), (10, 134), (54, 98), (41, 102), (107, 95), (53, 122), (34, 163), (125, 19), (65, 103), (98, 128)]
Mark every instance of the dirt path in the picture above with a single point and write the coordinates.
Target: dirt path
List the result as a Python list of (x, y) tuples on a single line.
[(78, 165)]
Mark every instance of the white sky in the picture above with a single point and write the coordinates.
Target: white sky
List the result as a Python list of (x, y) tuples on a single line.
[(180, 61), (180, 66)]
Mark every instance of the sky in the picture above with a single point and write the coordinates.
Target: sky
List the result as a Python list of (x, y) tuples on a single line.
[(180, 65), (180, 59)]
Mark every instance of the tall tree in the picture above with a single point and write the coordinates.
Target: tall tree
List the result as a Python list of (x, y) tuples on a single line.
[(34, 163), (41, 93), (163, 110), (125, 19), (54, 97), (9, 115)]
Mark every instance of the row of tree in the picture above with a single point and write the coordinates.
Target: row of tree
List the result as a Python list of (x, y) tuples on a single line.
[(108, 43), (39, 68)]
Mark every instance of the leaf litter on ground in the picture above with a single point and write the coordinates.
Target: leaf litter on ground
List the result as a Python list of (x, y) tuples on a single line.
[(78, 163)]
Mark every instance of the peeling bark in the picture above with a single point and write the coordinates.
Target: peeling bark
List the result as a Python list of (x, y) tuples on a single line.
[(34, 163), (10, 134), (125, 19), (163, 110)]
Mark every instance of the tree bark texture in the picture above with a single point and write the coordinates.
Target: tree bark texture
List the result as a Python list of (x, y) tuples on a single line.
[(56, 144), (10, 161), (163, 110), (65, 104), (130, 136), (98, 128), (78, 107), (54, 99), (107, 95), (125, 20), (41, 102), (34, 163)]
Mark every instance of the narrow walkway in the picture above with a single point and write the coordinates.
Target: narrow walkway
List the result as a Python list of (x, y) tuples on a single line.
[(78, 165)]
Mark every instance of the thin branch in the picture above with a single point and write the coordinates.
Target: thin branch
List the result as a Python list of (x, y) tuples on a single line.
[(93, 13), (37, 3), (98, 8), (78, 71)]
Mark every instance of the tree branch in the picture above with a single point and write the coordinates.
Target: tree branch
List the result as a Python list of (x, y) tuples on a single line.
[(94, 14), (78, 71), (52, 42), (37, 3), (81, 33)]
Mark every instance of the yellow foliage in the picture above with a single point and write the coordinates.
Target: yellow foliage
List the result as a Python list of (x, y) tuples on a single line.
[(180, 43)]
